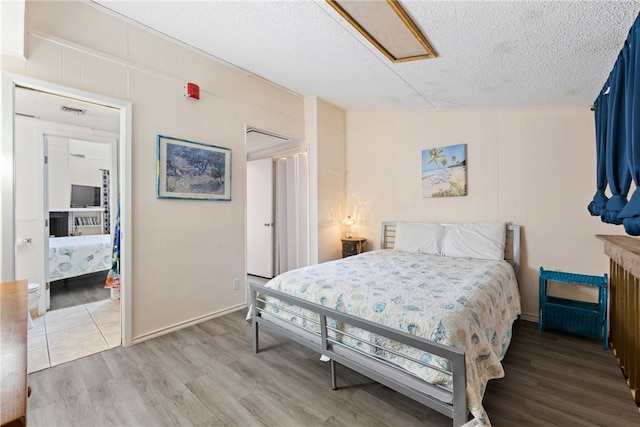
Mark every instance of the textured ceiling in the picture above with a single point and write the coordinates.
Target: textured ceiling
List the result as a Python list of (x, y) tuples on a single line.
[(492, 54)]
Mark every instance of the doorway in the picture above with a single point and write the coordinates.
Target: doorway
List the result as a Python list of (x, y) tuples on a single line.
[(13, 230), (79, 199), (57, 160), (277, 204)]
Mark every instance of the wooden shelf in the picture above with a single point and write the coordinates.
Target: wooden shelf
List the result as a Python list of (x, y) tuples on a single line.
[(624, 250)]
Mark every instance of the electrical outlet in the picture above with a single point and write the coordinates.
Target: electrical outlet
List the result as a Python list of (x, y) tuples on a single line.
[(236, 284)]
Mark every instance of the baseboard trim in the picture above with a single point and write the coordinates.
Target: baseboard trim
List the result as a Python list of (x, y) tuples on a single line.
[(529, 317), (185, 324), (195, 321)]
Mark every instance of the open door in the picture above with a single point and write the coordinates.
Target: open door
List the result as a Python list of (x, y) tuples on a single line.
[(30, 205), (260, 218)]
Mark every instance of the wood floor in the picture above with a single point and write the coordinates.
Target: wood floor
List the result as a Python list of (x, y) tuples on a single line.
[(78, 290), (207, 375)]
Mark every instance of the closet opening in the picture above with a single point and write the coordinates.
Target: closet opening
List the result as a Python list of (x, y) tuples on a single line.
[(277, 204)]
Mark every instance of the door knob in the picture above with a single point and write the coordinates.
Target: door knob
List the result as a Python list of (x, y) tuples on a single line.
[(268, 224)]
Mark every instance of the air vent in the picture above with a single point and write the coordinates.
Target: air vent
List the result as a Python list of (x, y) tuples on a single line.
[(78, 111)]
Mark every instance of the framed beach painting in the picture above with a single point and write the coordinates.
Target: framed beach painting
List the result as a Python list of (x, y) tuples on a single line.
[(192, 170), (444, 171)]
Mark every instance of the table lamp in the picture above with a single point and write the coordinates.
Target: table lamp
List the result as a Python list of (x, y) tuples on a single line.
[(348, 222)]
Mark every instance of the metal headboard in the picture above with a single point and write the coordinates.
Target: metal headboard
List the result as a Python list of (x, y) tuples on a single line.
[(511, 249)]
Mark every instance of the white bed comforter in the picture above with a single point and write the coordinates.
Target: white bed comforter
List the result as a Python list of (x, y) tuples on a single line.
[(77, 255), (464, 303)]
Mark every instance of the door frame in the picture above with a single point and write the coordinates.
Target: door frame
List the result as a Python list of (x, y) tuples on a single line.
[(7, 181), (292, 146)]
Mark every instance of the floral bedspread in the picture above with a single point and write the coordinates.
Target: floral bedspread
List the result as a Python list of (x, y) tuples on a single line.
[(77, 255), (468, 304)]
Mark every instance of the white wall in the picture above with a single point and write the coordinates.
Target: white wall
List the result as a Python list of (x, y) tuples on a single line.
[(67, 168), (533, 168), (185, 254), (331, 161), (86, 159), (12, 14), (59, 183)]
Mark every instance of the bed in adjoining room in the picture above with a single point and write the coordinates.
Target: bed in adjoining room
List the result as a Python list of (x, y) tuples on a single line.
[(77, 255), (429, 315), (78, 263)]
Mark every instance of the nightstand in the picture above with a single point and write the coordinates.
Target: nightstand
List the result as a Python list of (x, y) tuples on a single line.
[(352, 246)]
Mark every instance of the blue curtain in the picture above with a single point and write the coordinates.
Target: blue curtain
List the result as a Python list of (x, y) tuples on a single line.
[(630, 215), (600, 107), (617, 116), (616, 159)]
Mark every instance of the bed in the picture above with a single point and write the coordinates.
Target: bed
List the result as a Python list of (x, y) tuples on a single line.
[(425, 315), (78, 255)]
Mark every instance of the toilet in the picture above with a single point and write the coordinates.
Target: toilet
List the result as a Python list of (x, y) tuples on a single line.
[(33, 298)]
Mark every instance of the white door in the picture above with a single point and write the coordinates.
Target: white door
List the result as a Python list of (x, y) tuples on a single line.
[(31, 228), (260, 218)]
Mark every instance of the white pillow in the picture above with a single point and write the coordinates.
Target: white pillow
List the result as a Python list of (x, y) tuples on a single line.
[(483, 240), (422, 238)]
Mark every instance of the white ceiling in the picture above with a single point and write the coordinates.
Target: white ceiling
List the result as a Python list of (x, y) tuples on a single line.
[(492, 54)]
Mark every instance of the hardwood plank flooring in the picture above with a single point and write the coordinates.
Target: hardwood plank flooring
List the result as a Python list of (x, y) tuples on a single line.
[(78, 290), (207, 375)]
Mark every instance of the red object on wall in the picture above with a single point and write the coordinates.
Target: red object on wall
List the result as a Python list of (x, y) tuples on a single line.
[(193, 91)]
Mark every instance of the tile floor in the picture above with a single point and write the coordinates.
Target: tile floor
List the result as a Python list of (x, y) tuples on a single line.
[(71, 333)]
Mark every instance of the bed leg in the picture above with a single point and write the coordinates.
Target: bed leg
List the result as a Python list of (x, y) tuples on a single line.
[(255, 336), (460, 409), (334, 384)]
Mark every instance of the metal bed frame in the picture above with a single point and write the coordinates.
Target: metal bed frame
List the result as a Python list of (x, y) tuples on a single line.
[(450, 402)]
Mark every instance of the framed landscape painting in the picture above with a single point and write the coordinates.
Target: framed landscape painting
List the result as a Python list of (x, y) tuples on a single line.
[(192, 170), (444, 171)]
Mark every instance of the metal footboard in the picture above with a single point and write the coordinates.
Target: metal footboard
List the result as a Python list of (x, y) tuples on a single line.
[(321, 339)]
